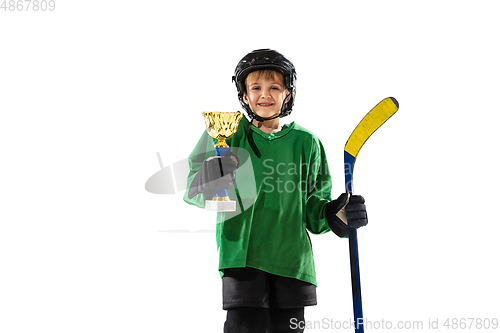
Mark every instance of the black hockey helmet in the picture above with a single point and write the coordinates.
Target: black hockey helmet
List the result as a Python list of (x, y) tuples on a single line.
[(260, 60)]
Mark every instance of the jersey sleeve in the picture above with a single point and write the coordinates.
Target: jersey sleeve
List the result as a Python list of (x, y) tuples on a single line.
[(203, 150), (319, 190)]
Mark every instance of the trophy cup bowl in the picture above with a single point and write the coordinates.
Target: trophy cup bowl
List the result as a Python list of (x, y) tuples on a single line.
[(221, 126)]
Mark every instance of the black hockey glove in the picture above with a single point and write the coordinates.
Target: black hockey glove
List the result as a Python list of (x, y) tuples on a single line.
[(356, 212), (346, 207), (215, 172)]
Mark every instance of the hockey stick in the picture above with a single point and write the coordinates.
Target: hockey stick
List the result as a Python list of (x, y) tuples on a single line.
[(366, 127)]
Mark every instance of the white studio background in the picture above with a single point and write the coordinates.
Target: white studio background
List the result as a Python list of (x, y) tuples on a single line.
[(91, 91)]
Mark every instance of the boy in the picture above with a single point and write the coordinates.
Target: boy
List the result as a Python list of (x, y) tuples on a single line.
[(265, 253)]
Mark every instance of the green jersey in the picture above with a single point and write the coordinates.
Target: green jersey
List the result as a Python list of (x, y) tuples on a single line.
[(279, 201)]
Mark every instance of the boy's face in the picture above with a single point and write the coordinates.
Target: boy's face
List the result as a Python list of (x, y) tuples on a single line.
[(265, 94)]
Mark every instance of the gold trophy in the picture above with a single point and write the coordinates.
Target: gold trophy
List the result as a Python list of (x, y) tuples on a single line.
[(221, 126)]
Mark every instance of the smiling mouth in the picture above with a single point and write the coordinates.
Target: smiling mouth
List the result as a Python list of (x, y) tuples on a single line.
[(265, 104)]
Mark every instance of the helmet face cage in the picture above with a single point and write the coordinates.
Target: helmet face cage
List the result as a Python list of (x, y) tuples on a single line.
[(265, 59)]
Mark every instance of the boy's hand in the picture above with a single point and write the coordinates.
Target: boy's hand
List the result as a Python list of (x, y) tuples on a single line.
[(356, 212), (215, 172), (346, 207)]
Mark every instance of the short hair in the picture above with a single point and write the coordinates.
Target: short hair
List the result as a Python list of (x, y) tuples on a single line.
[(268, 74)]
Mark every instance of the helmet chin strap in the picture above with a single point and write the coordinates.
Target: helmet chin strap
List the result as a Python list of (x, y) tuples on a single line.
[(262, 119)]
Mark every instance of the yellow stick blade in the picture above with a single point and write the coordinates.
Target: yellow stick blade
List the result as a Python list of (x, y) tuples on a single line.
[(370, 123)]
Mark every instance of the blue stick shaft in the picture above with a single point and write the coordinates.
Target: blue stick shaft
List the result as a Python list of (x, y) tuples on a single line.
[(349, 161)]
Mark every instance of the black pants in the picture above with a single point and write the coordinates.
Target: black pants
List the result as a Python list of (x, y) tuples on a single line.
[(260, 302), (250, 287), (264, 320)]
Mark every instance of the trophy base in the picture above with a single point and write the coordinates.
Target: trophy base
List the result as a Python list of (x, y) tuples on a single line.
[(220, 206)]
